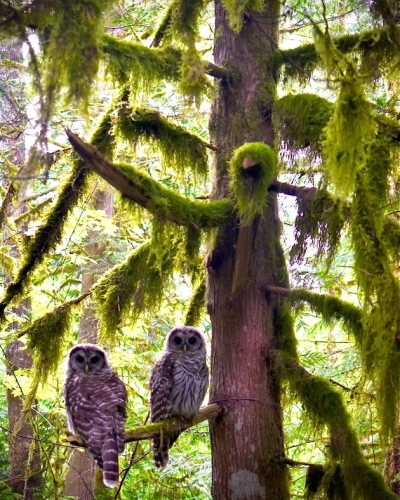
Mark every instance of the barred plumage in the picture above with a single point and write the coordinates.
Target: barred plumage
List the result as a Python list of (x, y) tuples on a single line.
[(178, 384), (95, 402)]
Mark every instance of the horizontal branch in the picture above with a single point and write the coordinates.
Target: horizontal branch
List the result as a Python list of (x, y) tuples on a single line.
[(169, 426), (289, 189), (149, 193), (217, 72)]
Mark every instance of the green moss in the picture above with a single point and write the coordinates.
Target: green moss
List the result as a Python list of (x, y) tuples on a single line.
[(320, 220), (163, 30), (373, 48), (236, 9), (165, 202), (378, 285), (284, 330), (299, 121), (139, 66), (180, 149), (349, 136), (184, 28), (251, 200), (46, 340), (73, 32), (196, 306), (135, 286), (325, 408), (332, 309)]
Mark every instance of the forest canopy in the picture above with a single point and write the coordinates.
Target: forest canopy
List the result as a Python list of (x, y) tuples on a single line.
[(227, 165)]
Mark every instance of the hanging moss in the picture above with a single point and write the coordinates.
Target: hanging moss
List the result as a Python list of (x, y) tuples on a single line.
[(378, 285), (237, 8), (197, 304), (72, 33), (184, 29), (299, 121), (325, 408), (320, 220), (314, 476), (332, 309), (251, 202), (162, 34), (139, 66), (284, 331), (135, 286), (46, 340), (349, 136), (180, 149), (373, 48), (164, 201)]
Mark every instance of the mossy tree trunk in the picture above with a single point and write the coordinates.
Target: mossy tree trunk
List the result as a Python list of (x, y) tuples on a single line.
[(80, 479), (247, 439)]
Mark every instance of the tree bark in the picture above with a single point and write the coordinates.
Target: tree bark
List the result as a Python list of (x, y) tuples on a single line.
[(80, 478), (247, 439), (25, 467)]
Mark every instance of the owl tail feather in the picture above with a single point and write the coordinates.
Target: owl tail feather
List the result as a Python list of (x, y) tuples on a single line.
[(109, 457), (160, 450)]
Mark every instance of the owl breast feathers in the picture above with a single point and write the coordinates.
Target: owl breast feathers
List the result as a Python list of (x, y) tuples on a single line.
[(95, 402), (178, 384)]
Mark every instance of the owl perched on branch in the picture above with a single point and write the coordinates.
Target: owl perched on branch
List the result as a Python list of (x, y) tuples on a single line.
[(95, 402), (178, 384)]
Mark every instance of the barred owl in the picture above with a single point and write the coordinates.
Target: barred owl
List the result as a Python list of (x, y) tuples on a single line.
[(95, 402), (178, 384)]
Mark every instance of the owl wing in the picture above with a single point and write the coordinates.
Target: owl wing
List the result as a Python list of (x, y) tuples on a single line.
[(161, 406), (97, 408), (161, 384)]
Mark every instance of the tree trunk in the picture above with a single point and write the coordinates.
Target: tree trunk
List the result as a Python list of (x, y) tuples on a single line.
[(247, 439), (80, 478), (25, 465)]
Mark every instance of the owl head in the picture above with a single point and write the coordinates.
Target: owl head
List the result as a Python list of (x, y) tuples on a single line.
[(87, 358), (186, 339)]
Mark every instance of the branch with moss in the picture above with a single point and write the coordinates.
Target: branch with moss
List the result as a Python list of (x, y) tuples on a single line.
[(167, 427), (373, 46), (330, 308), (50, 233), (325, 408), (180, 150), (148, 193)]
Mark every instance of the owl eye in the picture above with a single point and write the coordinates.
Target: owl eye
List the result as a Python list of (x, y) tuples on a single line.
[(192, 340), (177, 341), (80, 358), (94, 359)]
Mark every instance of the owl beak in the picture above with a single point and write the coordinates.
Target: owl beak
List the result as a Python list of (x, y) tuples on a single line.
[(87, 367), (184, 347)]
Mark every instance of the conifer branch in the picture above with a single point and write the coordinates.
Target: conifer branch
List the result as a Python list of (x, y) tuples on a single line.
[(169, 426)]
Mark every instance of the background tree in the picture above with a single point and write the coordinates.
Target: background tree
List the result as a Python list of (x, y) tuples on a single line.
[(342, 152)]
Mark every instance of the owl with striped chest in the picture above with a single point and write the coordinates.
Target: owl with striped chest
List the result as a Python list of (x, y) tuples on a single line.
[(178, 384), (95, 403)]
